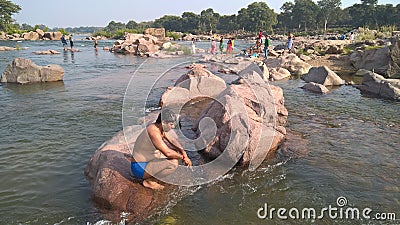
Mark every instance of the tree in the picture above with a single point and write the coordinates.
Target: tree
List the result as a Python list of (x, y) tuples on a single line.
[(190, 22), (285, 19), (113, 26), (208, 20), (7, 9), (170, 23), (257, 16), (305, 11), (131, 25), (227, 23), (329, 10)]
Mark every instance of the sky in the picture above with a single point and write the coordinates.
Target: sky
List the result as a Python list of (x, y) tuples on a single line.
[(76, 13)]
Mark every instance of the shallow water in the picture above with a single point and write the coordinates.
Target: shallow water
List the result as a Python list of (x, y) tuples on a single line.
[(49, 132)]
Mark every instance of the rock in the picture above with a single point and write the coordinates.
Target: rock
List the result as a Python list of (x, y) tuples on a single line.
[(279, 73), (31, 36), (167, 45), (48, 52), (243, 115), (394, 64), (24, 71), (264, 69), (197, 83), (323, 75), (138, 44), (314, 87), (40, 32), (156, 32), (304, 57), (114, 190), (384, 61), (376, 84), (294, 64), (5, 48)]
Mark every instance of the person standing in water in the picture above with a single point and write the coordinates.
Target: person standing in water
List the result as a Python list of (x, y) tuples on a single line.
[(193, 46), (95, 43), (71, 42), (221, 44), (64, 42)]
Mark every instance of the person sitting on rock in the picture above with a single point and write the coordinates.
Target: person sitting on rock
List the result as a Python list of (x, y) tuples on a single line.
[(152, 158)]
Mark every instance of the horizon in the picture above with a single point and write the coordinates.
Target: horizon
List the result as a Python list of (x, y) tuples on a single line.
[(33, 12)]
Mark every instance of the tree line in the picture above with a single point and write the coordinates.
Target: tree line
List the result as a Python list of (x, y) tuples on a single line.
[(296, 16)]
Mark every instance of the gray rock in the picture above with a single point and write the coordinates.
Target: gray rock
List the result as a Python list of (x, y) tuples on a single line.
[(323, 75), (314, 87), (376, 84), (25, 71)]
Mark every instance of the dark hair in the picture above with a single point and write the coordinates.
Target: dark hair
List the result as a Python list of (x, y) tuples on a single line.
[(167, 116)]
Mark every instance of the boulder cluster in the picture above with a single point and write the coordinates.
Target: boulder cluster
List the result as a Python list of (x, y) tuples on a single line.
[(249, 110), (32, 36)]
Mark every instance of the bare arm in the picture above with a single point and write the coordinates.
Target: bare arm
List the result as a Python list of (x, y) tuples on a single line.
[(157, 140), (172, 140)]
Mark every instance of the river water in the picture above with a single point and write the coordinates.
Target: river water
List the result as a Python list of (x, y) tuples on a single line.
[(49, 132)]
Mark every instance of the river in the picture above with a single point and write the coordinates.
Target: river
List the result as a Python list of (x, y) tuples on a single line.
[(49, 132)]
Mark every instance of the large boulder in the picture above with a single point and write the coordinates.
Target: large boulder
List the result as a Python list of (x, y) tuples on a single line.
[(294, 64), (25, 71), (384, 61), (31, 36), (376, 84), (394, 64), (323, 75), (249, 117), (197, 83), (138, 44), (114, 189)]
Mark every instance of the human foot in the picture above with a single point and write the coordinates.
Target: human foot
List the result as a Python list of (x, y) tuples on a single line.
[(153, 185)]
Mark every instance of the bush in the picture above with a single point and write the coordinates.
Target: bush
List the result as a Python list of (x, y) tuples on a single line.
[(173, 35)]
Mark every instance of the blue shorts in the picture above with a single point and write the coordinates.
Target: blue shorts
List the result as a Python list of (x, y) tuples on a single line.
[(137, 169)]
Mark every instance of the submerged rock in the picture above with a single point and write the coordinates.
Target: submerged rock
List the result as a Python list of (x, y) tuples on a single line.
[(25, 71), (314, 87)]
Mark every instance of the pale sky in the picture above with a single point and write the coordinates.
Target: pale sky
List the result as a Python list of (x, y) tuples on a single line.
[(76, 13)]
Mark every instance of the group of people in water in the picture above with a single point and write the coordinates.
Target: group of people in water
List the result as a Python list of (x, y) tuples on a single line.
[(263, 43), (230, 45), (71, 43), (65, 44)]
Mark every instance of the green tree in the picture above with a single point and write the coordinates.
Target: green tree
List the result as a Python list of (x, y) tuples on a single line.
[(190, 22), (170, 23), (329, 10), (113, 27), (257, 16), (208, 20), (131, 25), (285, 19), (25, 26), (7, 9), (305, 12), (227, 23)]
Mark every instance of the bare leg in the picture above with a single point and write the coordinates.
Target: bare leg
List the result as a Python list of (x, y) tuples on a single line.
[(158, 168)]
